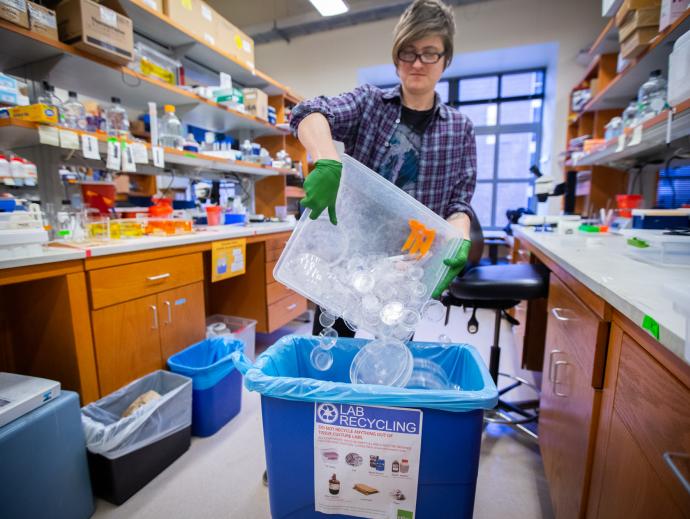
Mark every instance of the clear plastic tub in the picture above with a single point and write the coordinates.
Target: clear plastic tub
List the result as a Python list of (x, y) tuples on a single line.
[(662, 249), (240, 328), (382, 261), (152, 63)]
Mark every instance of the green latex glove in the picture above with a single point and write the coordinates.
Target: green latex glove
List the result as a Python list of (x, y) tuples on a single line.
[(321, 188), (455, 264)]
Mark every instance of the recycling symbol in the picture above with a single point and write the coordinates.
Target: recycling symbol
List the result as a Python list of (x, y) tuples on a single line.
[(327, 413)]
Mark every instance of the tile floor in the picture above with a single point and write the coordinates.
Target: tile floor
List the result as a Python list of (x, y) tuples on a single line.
[(220, 476)]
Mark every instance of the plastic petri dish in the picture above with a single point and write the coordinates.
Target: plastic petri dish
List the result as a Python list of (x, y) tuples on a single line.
[(326, 319), (386, 362), (328, 338), (433, 310), (321, 359), (392, 313), (427, 374)]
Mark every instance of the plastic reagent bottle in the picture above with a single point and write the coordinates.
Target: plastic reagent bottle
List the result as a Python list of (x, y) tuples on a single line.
[(170, 131), (48, 97), (651, 98), (116, 121), (630, 114), (74, 113)]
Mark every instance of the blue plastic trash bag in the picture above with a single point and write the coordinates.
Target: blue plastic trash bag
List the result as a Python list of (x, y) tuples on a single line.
[(285, 371), (206, 362)]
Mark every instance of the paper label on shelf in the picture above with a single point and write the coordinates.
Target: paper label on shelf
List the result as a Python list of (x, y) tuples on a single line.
[(48, 135), (621, 143), (68, 139), (669, 125), (114, 159), (128, 164), (636, 137), (108, 16), (206, 12), (89, 147), (228, 258), (158, 156), (366, 460), (140, 153)]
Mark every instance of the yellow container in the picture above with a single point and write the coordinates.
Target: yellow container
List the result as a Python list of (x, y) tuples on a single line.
[(38, 113)]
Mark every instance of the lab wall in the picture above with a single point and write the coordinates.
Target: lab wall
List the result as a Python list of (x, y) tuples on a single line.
[(328, 63)]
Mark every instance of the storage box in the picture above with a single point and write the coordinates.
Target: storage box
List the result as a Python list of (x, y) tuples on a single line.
[(156, 5), (647, 17), (96, 29), (196, 16), (43, 21), (38, 113), (633, 5), (637, 42), (235, 42), (243, 329), (670, 11), (15, 11), (256, 103)]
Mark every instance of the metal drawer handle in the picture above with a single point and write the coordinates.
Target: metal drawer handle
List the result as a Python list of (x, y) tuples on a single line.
[(668, 458), (555, 378), (553, 352), (155, 316), (557, 315), (292, 306), (169, 321), (158, 277)]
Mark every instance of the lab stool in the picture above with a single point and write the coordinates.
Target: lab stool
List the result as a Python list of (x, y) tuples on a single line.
[(43, 469)]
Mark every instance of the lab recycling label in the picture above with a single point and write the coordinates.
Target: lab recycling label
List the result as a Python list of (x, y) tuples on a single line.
[(366, 460)]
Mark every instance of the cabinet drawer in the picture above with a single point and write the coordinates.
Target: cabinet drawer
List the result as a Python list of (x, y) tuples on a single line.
[(655, 407), (276, 243), (114, 285), (269, 271), (570, 320), (276, 291), (285, 310)]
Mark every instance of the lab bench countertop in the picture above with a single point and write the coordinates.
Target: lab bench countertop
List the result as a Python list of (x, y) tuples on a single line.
[(634, 288), (51, 254)]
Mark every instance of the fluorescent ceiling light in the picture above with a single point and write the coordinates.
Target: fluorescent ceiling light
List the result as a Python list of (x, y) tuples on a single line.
[(330, 7)]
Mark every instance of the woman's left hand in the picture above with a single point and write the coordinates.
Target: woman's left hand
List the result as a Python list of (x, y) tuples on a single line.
[(455, 266)]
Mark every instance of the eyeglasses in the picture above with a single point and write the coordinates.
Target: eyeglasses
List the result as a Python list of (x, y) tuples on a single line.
[(428, 58)]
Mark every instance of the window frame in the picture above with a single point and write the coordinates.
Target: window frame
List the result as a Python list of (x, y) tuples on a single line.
[(500, 129)]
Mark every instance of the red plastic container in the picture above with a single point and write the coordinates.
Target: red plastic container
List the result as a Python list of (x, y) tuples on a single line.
[(213, 213), (626, 203), (99, 195)]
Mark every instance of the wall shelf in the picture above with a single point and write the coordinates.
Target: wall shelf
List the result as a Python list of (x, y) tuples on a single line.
[(34, 56), (17, 134)]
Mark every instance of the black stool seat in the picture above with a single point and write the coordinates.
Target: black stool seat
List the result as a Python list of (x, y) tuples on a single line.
[(501, 283)]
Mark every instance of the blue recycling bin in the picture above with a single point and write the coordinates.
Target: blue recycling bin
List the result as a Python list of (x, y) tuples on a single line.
[(216, 384), (292, 389)]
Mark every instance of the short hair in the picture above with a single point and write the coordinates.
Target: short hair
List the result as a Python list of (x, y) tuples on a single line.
[(425, 18)]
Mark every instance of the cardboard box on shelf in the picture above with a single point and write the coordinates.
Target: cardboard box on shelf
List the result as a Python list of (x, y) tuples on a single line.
[(256, 103), (42, 21), (235, 42), (637, 42), (96, 29), (670, 11), (647, 17), (156, 5), (634, 5), (15, 11), (196, 16)]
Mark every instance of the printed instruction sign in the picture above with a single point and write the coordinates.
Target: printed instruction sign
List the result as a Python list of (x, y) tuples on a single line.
[(228, 258), (366, 460)]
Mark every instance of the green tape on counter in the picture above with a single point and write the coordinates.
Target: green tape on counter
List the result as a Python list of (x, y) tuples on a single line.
[(649, 324)]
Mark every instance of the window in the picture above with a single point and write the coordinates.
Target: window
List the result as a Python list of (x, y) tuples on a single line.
[(506, 109)]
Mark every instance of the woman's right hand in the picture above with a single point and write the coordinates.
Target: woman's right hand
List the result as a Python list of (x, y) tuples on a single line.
[(321, 188)]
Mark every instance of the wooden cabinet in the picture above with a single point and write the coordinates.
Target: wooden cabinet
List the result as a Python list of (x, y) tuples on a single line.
[(569, 404), (645, 423), (144, 312), (127, 343)]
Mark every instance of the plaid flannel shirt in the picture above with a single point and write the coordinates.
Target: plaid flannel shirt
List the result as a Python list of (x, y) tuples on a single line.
[(365, 120)]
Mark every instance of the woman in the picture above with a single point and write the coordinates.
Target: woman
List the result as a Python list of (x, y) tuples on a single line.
[(404, 133)]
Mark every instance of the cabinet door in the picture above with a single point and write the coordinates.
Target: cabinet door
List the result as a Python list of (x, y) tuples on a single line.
[(127, 342), (182, 318), (568, 404)]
